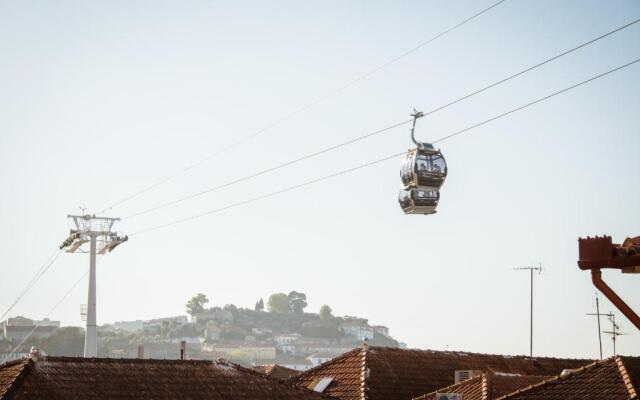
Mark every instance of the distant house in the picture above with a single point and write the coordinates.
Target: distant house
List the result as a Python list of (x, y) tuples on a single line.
[(19, 332), (286, 343), (19, 321), (356, 330), (387, 373), (19, 327), (46, 378), (381, 330)]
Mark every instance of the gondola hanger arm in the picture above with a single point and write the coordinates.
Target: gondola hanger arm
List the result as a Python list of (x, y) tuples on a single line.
[(415, 114)]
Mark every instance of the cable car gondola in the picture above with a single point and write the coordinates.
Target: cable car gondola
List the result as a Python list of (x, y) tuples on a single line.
[(418, 201), (423, 172), (423, 167)]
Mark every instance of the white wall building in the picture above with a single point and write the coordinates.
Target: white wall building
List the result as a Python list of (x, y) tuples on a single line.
[(358, 331)]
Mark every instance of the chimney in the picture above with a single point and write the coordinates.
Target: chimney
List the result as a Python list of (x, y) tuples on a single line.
[(34, 353), (141, 350), (183, 349)]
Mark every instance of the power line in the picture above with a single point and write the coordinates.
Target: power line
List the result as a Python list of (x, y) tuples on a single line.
[(52, 259), (271, 169), (537, 101), (524, 71), (371, 163), (264, 196), (301, 109), (30, 333), (383, 130)]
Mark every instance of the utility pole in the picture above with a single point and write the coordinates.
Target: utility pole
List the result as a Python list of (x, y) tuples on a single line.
[(530, 269), (97, 232), (598, 314), (614, 332)]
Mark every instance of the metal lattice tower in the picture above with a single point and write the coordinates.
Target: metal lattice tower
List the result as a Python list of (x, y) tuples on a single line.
[(97, 232)]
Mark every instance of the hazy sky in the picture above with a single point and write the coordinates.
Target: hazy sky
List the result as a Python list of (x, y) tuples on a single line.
[(100, 99)]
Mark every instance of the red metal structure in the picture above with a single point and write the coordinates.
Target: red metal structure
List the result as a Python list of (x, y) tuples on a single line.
[(600, 252)]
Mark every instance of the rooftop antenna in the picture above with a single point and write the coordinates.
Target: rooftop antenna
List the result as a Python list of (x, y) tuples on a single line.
[(530, 269), (614, 332), (598, 314), (97, 232)]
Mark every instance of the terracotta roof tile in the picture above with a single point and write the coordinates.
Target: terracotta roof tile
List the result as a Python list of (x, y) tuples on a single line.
[(610, 379), (276, 371), (375, 373), (11, 373), (54, 378), (487, 386)]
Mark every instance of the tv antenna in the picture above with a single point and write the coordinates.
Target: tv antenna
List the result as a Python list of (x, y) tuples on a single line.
[(614, 332), (97, 232), (530, 269), (598, 315)]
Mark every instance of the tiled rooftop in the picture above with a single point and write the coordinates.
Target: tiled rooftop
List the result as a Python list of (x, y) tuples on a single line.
[(487, 386), (375, 373), (276, 371), (55, 378), (612, 379)]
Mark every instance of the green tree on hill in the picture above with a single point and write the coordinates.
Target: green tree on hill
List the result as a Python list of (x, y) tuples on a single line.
[(259, 305), (297, 302), (325, 312), (196, 304), (278, 303)]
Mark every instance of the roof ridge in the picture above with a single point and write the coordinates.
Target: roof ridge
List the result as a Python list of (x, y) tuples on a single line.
[(487, 385), (364, 374), (13, 362), (625, 377), (558, 378), (342, 356), (455, 352), (116, 360)]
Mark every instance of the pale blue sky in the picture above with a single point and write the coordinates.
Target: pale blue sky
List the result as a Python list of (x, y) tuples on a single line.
[(99, 99)]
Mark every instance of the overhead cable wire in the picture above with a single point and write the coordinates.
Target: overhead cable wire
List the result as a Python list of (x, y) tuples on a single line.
[(300, 109), (265, 171), (536, 101), (50, 261), (30, 333), (383, 130), (375, 162), (264, 196), (540, 64)]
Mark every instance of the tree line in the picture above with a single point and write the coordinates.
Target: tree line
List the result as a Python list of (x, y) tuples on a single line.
[(277, 303)]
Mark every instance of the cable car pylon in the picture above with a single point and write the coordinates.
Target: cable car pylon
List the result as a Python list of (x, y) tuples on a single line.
[(423, 172)]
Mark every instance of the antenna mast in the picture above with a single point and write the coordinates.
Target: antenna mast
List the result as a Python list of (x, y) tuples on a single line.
[(530, 269), (614, 332), (598, 315), (97, 232)]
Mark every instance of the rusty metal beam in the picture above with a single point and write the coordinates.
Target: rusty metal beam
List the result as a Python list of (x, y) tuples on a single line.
[(596, 278)]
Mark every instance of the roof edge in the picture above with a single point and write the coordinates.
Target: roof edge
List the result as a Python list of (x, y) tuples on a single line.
[(557, 378), (625, 377), (26, 368)]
